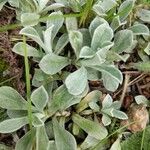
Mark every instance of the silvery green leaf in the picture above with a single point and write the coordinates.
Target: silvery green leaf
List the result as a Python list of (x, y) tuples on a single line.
[(89, 142), (147, 49), (99, 10), (76, 82), (93, 74), (107, 102), (63, 139), (92, 96), (11, 125), (17, 113), (39, 98), (86, 52), (97, 21), (144, 15), (57, 21), (52, 63), (116, 105), (11, 99), (37, 121), (133, 45), (108, 4), (61, 100), (118, 114), (111, 76), (122, 41), (42, 140), (86, 37), (64, 2), (116, 23), (29, 19), (116, 145), (51, 145), (2, 3), (14, 3), (141, 99), (125, 9), (94, 106), (71, 23), (52, 7), (102, 34), (31, 51), (106, 120), (27, 141), (76, 40), (42, 3), (47, 34), (93, 129), (33, 34), (61, 43), (139, 29)]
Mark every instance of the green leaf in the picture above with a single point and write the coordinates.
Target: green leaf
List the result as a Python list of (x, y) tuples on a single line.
[(42, 140), (61, 43), (61, 100), (51, 145), (141, 99), (119, 114), (11, 125), (37, 119), (40, 97), (31, 51), (47, 34), (11, 99), (4, 147), (144, 15), (71, 23), (147, 49), (122, 41), (96, 22), (107, 102), (42, 3), (56, 21), (52, 63), (125, 9), (93, 129), (140, 29), (33, 34), (17, 113), (63, 139), (102, 34), (142, 66), (14, 3), (2, 3), (111, 76), (27, 141), (76, 82), (76, 40), (134, 141), (116, 145), (106, 120), (29, 19)]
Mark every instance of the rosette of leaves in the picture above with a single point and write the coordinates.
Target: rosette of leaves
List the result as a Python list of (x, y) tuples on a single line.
[(111, 109)]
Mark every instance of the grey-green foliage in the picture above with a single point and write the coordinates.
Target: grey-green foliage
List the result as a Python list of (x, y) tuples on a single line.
[(111, 109)]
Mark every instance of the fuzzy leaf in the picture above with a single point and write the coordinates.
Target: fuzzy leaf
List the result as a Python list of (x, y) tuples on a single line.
[(102, 34), (71, 23), (11, 99), (144, 15), (30, 19), (122, 41), (31, 51), (142, 66), (147, 49), (106, 120), (56, 21), (76, 82), (76, 40), (52, 64), (63, 139), (39, 97), (61, 100), (119, 114), (107, 102), (140, 29), (125, 9), (93, 129), (12, 125), (42, 140), (141, 99), (116, 145), (27, 141)]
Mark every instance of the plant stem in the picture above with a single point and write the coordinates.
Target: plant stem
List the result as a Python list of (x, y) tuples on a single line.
[(28, 86), (142, 142)]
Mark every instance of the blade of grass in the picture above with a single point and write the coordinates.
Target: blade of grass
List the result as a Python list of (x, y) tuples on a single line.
[(142, 142), (28, 85)]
